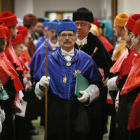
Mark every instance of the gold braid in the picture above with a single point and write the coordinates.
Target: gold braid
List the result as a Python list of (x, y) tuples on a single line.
[(79, 48)]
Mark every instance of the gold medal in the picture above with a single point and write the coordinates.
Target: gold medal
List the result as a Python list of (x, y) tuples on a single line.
[(76, 72), (65, 79), (68, 64)]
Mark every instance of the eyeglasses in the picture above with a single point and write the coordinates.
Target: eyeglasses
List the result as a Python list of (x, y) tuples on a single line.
[(82, 24), (132, 35), (65, 35)]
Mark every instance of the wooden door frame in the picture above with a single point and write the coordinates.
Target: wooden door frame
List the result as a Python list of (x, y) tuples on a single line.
[(114, 13), (0, 6), (3, 4)]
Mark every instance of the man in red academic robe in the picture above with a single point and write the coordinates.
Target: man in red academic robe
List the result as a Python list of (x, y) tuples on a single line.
[(129, 92), (124, 63)]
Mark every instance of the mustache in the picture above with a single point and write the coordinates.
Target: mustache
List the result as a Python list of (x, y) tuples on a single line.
[(67, 41)]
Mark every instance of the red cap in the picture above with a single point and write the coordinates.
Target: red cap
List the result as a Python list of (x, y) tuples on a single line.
[(30, 19), (18, 39), (8, 18), (96, 22), (23, 30), (131, 21), (136, 29), (2, 32), (7, 32), (1, 23)]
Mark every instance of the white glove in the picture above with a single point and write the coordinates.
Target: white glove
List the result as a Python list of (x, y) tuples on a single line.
[(84, 98), (2, 118), (111, 84), (44, 81), (39, 91)]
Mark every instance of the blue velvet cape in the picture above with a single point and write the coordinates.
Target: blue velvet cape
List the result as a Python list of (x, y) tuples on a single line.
[(40, 41), (39, 55), (57, 70)]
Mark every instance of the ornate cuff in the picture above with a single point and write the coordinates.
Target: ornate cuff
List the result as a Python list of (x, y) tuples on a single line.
[(93, 92)]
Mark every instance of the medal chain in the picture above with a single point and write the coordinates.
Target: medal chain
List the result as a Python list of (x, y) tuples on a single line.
[(65, 58), (79, 48), (65, 78)]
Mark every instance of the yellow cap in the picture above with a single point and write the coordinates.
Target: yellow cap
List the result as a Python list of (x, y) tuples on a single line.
[(95, 28), (121, 19)]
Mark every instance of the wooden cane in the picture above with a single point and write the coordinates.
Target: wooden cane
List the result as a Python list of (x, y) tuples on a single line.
[(95, 50), (46, 93)]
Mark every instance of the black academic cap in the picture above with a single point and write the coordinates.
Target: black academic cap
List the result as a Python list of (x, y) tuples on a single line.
[(83, 14)]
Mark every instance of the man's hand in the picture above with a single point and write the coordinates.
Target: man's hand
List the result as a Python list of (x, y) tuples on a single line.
[(44, 81), (41, 86), (28, 76), (84, 98), (25, 81), (116, 105), (21, 100), (17, 110)]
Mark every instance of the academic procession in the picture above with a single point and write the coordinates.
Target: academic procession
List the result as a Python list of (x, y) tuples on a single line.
[(69, 70)]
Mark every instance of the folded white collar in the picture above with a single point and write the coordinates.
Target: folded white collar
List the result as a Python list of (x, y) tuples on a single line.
[(54, 46), (81, 42), (65, 53)]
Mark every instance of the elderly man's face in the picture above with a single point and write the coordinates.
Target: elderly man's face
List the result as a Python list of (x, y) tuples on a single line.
[(45, 31), (127, 38), (83, 28), (18, 48), (135, 39), (52, 36), (117, 30), (67, 40)]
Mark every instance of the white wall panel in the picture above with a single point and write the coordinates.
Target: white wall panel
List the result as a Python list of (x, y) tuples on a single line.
[(41, 6), (23, 7)]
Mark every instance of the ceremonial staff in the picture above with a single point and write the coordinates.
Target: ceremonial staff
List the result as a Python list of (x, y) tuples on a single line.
[(95, 50), (46, 93)]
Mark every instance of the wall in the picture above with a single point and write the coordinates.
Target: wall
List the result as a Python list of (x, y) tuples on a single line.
[(41, 6), (129, 6), (23, 7)]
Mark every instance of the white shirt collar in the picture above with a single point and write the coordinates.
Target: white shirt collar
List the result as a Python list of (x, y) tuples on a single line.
[(81, 42), (54, 46), (65, 53)]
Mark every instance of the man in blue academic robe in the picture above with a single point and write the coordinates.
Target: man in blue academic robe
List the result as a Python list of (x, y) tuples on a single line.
[(53, 45), (69, 117), (41, 39)]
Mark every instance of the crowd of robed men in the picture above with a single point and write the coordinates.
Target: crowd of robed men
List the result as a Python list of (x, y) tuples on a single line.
[(73, 46)]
